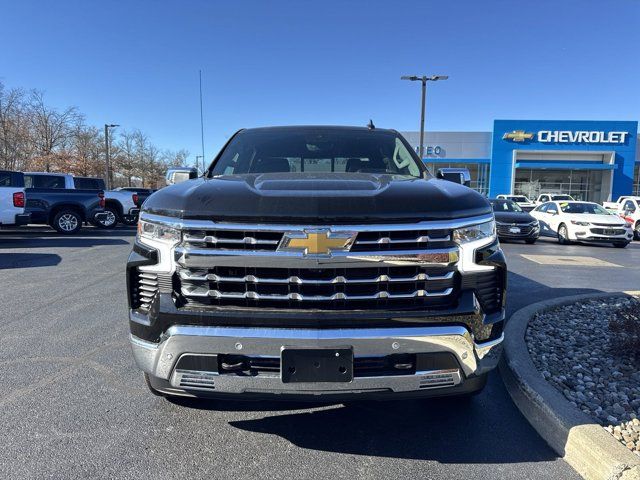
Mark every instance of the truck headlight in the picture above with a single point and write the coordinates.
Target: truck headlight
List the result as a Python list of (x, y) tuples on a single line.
[(582, 224), (474, 232), (158, 232)]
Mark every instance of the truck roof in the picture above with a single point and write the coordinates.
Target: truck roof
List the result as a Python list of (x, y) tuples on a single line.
[(302, 128)]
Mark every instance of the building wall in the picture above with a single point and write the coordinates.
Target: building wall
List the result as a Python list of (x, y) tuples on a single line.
[(502, 153)]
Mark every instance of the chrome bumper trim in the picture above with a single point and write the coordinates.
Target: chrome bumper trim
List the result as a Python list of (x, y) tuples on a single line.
[(160, 359)]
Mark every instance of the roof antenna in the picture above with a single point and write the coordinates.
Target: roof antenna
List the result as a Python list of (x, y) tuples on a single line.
[(371, 126)]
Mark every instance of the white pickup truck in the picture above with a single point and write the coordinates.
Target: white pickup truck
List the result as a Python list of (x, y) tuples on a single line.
[(628, 207), (120, 206), (12, 199)]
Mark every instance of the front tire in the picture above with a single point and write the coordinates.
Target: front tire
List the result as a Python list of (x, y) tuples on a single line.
[(67, 222), (563, 235), (147, 382), (110, 220), (530, 241), (620, 244)]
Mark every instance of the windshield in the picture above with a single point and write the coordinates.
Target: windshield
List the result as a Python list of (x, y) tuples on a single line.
[(520, 199), (317, 150), (505, 206), (591, 208), (562, 197)]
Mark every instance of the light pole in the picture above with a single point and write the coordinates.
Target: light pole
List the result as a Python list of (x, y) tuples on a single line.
[(424, 79), (107, 179)]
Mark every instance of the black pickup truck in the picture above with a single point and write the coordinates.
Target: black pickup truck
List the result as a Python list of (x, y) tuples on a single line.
[(64, 209), (323, 263)]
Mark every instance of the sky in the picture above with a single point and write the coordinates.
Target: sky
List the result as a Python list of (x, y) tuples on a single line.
[(136, 62)]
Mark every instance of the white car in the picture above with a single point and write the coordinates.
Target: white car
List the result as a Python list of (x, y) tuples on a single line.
[(553, 197), (582, 222), (12, 199), (523, 202)]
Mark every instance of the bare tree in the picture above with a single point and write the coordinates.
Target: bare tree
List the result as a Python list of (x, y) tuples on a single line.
[(50, 128)]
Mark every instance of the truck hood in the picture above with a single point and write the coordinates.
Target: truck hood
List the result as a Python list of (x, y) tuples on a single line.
[(317, 198)]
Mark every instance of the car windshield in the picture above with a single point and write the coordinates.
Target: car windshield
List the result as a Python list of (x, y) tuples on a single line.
[(317, 150), (519, 199), (562, 197), (505, 206), (590, 208)]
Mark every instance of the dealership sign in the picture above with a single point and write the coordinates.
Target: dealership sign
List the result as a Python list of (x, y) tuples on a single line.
[(567, 136)]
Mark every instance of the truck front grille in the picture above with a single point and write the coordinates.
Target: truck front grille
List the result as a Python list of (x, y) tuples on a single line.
[(324, 288), (268, 240)]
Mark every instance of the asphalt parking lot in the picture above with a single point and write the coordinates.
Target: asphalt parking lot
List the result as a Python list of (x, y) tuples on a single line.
[(74, 405)]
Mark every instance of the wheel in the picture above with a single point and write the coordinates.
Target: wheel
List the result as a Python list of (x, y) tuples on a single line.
[(130, 220), (563, 235), (67, 222), (636, 231), (530, 241), (110, 219), (153, 391), (620, 244)]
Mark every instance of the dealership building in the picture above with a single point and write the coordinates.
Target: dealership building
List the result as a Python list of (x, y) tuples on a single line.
[(590, 160)]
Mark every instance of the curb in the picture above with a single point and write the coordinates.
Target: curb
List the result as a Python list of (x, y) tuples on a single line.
[(583, 444)]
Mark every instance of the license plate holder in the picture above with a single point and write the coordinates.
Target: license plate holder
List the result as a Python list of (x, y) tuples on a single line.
[(316, 365), (514, 230), (609, 231)]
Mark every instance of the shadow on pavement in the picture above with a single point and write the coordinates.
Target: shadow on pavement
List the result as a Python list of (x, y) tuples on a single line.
[(42, 237), (28, 260)]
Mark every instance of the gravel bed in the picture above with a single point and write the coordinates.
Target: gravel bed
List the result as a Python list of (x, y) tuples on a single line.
[(590, 351)]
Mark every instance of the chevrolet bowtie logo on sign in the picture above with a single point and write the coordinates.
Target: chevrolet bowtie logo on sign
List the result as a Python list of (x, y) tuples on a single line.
[(518, 136), (317, 242)]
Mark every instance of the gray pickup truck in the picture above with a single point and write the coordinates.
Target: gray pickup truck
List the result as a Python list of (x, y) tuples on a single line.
[(321, 263)]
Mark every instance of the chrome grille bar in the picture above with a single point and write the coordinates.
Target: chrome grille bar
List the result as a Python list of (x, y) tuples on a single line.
[(387, 240), (247, 240), (205, 292), (293, 279)]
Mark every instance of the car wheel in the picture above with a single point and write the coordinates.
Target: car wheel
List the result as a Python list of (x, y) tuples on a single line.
[(620, 244), (130, 220), (110, 219), (67, 222), (530, 241), (636, 231), (563, 235)]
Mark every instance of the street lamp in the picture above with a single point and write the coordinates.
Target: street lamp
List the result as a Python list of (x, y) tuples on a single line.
[(424, 79), (107, 126)]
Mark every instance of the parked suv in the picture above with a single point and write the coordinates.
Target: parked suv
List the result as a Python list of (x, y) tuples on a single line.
[(316, 262), (12, 199)]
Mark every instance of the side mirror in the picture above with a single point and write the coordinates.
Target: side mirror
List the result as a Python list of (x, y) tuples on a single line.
[(456, 175)]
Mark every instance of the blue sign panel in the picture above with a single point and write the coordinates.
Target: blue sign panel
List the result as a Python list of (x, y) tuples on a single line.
[(510, 136)]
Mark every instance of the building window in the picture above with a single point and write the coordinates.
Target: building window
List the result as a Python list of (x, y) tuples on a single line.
[(636, 180)]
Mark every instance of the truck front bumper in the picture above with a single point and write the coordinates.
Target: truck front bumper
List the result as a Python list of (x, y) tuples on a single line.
[(169, 374)]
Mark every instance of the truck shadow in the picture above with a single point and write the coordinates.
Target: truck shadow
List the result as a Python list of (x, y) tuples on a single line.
[(28, 260), (41, 237)]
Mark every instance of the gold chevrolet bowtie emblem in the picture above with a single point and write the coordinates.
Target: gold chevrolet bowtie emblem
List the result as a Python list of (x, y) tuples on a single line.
[(317, 242), (518, 136)]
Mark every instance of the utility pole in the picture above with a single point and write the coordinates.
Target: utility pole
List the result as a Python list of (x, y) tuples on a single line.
[(423, 79), (107, 179)]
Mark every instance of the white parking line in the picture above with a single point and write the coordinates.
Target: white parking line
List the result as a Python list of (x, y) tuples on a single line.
[(568, 260)]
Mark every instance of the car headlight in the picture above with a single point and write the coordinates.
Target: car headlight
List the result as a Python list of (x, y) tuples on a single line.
[(474, 232), (582, 224), (628, 225), (156, 231)]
